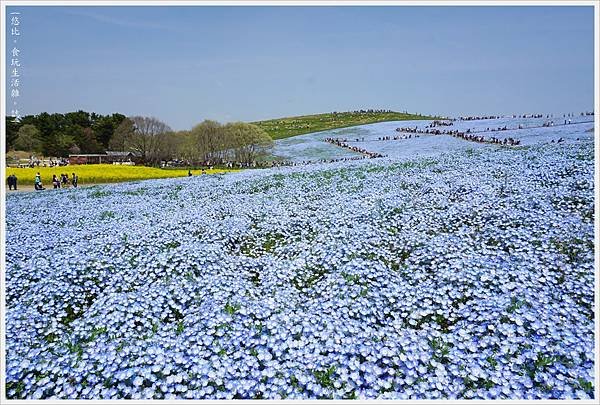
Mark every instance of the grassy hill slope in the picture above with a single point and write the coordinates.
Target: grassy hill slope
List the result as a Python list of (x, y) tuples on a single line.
[(290, 126)]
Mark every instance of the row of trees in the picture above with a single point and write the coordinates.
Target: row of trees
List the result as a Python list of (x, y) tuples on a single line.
[(238, 142), (152, 140), (208, 142), (61, 134)]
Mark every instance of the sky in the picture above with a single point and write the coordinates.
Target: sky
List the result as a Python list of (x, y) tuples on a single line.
[(186, 64)]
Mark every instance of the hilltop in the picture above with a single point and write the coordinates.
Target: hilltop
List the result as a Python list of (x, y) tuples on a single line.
[(286, 127)]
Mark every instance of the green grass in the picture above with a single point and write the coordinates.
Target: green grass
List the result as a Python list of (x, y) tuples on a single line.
[(325, 377), (232, 309), (291, 126), (180, 328)]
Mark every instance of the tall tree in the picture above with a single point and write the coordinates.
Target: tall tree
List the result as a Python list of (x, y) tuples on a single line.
[(91, 132), (80, 118), (207, 141), (122, 137), (147, 139), (173, 145), (247, 141), (12, 131), (86, 141), (60, 146), (28, 139), (104, 127)]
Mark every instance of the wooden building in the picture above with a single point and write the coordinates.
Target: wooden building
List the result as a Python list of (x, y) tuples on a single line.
[(107, 158)]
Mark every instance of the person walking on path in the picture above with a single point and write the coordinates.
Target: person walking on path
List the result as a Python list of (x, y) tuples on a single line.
[(38, 182), (64, 180), (74, 180), (55, 181)]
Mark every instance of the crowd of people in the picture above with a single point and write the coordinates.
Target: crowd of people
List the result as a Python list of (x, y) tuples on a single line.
[(546, 124), (491, 117), (394, 138), (467, 135), (35, 162), (343, 143), (64, 181), (58, 162), (438, 123), (473, 138), (367, 111), (531, 116), (479, 117), (495, 117), (416, 130), (57, 182)]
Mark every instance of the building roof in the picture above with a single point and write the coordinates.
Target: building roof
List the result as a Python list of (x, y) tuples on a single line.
[(117, 153), (108, 153)]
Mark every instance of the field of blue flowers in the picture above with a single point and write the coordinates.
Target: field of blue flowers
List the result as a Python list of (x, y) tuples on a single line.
[(466, 273)]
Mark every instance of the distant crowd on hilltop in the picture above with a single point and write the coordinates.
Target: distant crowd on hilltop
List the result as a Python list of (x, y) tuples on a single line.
[(492, 117), (368, 111)]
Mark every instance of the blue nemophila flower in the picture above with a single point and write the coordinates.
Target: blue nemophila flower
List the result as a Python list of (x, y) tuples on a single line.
[(452, 275)]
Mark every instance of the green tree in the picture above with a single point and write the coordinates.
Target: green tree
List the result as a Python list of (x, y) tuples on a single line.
[(12, 131), (105, 126), (61, 145), (247, 141), (91, 132), (86, 141), (207, 141), (174, 145), (121, 139), (80, 118), (50, 126), (28, 139)]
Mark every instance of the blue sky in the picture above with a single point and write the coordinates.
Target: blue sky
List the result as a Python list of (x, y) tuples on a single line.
[(187, 64)]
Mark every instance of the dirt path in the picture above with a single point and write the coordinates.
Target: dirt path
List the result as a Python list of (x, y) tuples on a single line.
[(29, 188)]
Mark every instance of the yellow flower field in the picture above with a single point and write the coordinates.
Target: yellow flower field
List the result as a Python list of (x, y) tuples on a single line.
[(93, 174)]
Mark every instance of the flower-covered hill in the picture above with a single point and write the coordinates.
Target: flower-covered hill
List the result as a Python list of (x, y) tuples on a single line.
[(311, 147), (462, 275)]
